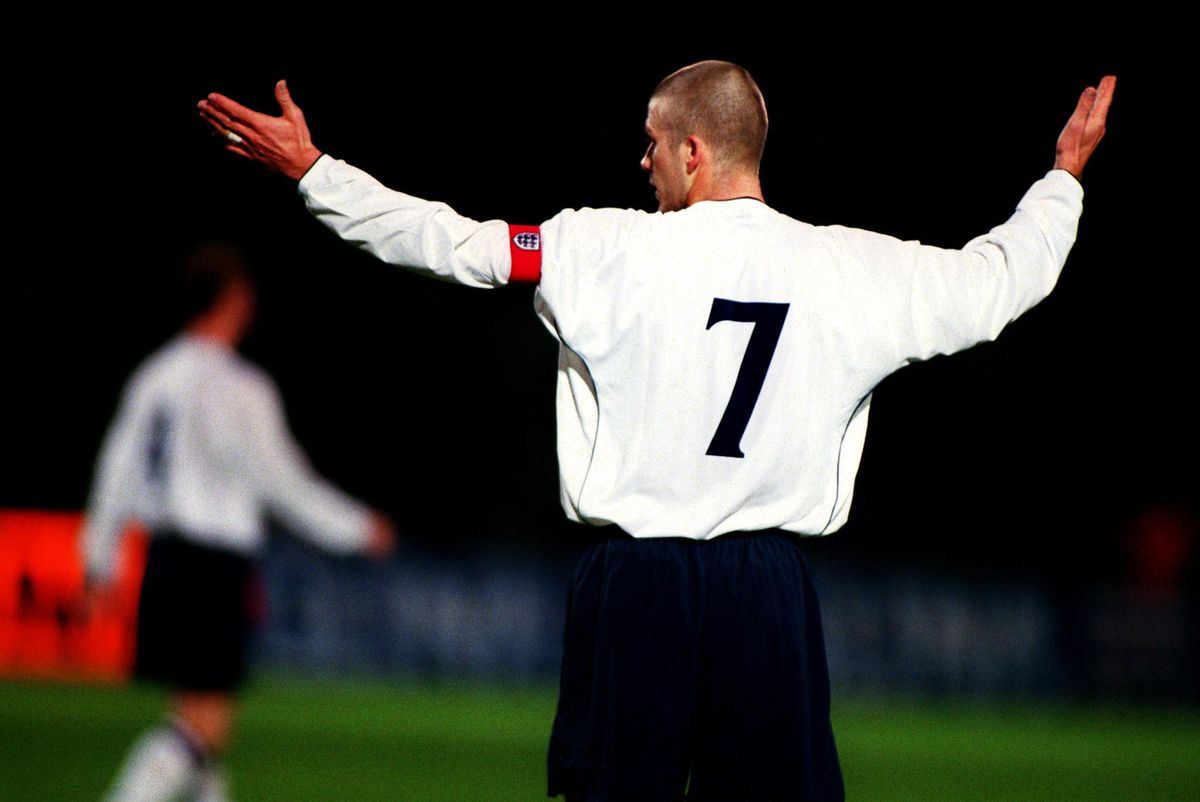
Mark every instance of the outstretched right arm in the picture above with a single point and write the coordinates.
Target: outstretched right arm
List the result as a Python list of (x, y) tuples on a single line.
[(397, 228), (403, 230)]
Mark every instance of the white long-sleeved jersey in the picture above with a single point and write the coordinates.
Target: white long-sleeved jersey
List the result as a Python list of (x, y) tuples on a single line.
[(716, 363), (200, 446)]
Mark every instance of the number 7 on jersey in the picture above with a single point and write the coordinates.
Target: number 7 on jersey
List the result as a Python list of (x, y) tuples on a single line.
[(768, 323)]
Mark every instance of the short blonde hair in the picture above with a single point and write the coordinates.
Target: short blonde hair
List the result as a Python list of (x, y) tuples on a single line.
[(719, 102)]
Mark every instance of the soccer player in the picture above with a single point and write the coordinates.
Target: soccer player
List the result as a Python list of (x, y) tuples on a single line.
[(716, 365), (199, 452)]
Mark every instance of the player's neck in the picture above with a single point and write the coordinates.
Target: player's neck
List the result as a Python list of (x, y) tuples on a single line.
[(218, 329), (714, 187)]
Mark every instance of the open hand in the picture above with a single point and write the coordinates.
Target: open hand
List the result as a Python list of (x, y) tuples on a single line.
[(1085, 129), (281, 143)]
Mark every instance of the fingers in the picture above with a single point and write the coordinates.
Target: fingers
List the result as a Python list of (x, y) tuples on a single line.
[(212, 119), (1104, 96), (240, 149), (1087, 99), (232, 109), (1101, 99), (222, 122), (1085, 128), (227, 129)]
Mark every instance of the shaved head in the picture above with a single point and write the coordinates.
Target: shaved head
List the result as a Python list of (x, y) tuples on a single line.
[(721, 104)]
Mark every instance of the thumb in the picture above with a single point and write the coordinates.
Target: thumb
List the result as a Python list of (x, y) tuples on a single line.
[(284, 97)]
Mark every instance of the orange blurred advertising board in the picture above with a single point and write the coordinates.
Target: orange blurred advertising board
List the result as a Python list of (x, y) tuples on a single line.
[(46, 629)]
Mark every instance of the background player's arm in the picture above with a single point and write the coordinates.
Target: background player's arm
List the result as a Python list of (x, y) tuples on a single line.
[(265, 453), (109, 507)]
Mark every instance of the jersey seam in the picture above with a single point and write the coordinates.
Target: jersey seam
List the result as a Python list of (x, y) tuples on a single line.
[(595, 435), (837, 470)]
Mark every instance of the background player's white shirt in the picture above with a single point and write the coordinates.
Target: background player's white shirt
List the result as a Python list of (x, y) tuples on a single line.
[(644, 304), (200, 446)]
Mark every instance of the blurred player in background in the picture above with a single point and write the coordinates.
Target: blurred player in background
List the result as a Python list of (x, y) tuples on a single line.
[(199, 452), (716, 365)]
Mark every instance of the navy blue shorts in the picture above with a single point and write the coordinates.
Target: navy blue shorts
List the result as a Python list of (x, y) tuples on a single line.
[(694, 669), (194, 616)]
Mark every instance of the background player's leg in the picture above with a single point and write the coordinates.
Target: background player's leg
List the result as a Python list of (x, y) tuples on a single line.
[(208, 714), (213, 785), (166, 760), (763, 730), (162, 765), (192, 631), (624, 725), (182, 755)]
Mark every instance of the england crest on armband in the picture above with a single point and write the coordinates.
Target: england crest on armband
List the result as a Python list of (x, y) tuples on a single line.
[(528, 241), (525, 248)]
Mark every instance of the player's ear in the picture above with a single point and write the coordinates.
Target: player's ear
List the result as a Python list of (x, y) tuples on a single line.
[(695, 152)]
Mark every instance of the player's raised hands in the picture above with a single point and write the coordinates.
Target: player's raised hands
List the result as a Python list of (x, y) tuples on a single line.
[(1085, 129), (280, 143)]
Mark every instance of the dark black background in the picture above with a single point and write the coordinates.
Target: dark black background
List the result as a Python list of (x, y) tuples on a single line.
[(435, 402)]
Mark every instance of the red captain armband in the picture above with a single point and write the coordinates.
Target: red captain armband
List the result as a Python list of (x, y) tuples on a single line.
[(525, 246)]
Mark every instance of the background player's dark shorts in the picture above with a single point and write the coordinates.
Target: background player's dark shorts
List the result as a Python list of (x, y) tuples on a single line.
[(698, 665), (193, 616)]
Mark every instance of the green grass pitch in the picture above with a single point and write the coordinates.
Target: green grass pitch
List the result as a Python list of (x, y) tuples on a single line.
[(371, 741)]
